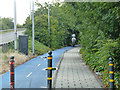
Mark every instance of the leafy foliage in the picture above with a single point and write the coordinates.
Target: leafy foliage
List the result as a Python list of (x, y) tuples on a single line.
[(60, 26), (99, 37), (7, 23), (97, 29), (39, 47)]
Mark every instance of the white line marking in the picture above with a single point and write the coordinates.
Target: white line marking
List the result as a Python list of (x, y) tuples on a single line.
[(44, 57), (43, 87), (29, 75), (38, 65), (44, 69)]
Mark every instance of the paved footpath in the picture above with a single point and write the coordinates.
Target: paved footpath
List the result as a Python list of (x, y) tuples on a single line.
[(73, 73)]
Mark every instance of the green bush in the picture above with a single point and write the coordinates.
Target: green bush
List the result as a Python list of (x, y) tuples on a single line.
[(39, 47), (55, 36), (99, 61)]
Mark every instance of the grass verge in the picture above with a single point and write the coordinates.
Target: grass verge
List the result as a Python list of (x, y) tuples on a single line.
[(11, 30), (20, 58)]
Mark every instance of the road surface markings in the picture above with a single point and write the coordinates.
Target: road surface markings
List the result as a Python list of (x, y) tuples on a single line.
[(29, 75), (31, 72), (43, 87), (44, 58), (38, 65)]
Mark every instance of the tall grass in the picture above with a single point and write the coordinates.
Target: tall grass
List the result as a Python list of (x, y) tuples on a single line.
[(5, 58), (7, 51)]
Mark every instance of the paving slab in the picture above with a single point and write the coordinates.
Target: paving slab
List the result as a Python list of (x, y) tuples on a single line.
[(73, 73)]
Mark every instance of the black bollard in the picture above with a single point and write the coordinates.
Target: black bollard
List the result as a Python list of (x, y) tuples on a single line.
[(12, 73), (111, 73), (49, 72)]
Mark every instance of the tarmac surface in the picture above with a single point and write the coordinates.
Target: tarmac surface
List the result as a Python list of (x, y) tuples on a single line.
[(31, 73), (73, 73), (9, 36)]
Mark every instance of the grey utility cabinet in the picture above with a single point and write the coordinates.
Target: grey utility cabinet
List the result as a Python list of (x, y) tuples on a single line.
[(23, 44)]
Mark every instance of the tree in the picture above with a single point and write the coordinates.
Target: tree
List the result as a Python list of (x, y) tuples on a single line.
[(7, 23)]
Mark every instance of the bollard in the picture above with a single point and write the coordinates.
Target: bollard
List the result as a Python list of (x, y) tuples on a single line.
[(49, 72), (111, 73), (12, 73)]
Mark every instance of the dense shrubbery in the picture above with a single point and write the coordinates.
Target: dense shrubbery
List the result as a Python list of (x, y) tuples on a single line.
[(98, 59), (39, 47), (100, 38), (6, 23), (97, 29), (61, 26), (41, 31), (99, 35)]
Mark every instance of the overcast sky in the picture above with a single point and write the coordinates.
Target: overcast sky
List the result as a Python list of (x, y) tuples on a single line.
[(22, 7)]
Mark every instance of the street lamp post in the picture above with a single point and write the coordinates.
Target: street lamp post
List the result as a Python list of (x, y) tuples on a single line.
[(49, 24), (33, 25), (30, 9), (15, 27)]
